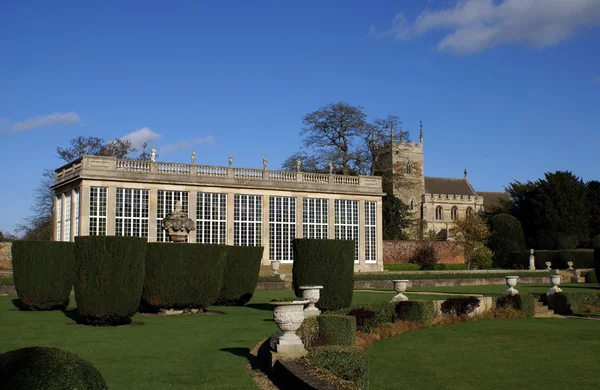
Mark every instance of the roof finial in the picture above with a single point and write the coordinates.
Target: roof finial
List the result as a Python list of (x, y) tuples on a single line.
[(465, 173)]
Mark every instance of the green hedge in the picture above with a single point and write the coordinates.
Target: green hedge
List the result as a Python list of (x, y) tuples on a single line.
[(521, 302), (336, 329), (240, 275), (422, 312), (369, 317), (269, 278), (581, 258), (327, 263), (572, 302), (597, 261), (44, 272), (417, 267), (47, 368), (445, 275), (183, 276), (590, 277), (460, 306), (109, 278), (347, 363)]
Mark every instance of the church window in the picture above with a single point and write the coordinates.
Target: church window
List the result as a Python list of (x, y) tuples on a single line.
[(439, 213), (469, 211), (454, 213), (408, 167)]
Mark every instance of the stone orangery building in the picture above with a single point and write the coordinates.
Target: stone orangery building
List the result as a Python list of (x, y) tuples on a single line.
[(234, 206)]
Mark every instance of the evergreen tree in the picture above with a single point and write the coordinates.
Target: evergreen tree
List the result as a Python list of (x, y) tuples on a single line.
[(396, 218)]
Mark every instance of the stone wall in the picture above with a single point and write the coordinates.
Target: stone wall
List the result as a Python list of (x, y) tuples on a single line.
[(400, 252), (5, 255)]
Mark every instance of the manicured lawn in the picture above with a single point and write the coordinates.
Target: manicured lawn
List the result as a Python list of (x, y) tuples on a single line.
[(177, 352), (495, 354), (499, 289)]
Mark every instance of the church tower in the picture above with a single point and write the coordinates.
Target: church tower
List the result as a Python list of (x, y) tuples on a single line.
[(403, 171)]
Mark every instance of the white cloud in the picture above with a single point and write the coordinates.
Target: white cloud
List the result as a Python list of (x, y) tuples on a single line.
[(57, 118), (187, 144), (142, 136), (475, 25)]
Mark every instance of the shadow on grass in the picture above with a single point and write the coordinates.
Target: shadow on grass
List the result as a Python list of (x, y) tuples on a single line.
[(72, 314), (18, 304), (261, 361), (260, 306)]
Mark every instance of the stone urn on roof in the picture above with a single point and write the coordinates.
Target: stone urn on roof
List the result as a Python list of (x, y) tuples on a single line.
[(177, 224)]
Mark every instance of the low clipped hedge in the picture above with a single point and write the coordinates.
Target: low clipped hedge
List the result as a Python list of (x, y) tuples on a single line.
[(422, 312), (43, 272), (327, 263), (597, 256), (417, 267), (336, 329), (345, 362), (581, 258), (522, 302), (445, 275), (591, 277), (109, 278), (183, 276), (47, 368), (369, 317), (460, 306), (572, 302), (239, 282)]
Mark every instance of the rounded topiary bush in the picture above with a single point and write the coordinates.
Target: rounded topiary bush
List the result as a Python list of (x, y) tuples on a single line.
[(591, 277), (43, 272), (109, 278), (327, 263), (47, 368), (183, 276), (241, 275), (506, 237)]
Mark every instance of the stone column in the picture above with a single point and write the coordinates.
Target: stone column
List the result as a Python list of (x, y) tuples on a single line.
[(379, 230), (111, 201), (265, 229), (331, 217), (361, 234), (73, 213), (192, 205), (63, 209), (84, 210), (152, 213), (299, 216), (229, 217), (55, 217)]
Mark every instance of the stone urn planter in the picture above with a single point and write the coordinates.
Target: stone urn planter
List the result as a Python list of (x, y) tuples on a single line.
[(400, 288), (275, 266), (511, 282), (289, 315), (177, 224), (570, 264), (549, 265), (555, 281), (312, 294)]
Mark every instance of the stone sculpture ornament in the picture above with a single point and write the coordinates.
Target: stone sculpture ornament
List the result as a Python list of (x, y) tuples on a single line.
[(230, 160), (177, 224), (153, 154), (264, 163), (193, 157)]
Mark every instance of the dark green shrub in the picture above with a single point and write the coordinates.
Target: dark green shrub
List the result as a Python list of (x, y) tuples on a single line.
[(444, 275), (597, 261), (44, 272), (422, 312), (240, 276), (347, 363), (460, 306), (425, 257), (368, 317), (327, 263), (596, 241), (590, 277), (109, 278), (401, 267), (309, 332), (506, 237), (581, 258), (47, 368), (336, 329), (450, 267), (521, 302), (183, 276), (573, 302)]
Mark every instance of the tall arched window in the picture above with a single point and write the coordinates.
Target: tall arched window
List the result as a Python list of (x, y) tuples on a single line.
[(454, 213), (439, 213), (469, 211), (408, 167)]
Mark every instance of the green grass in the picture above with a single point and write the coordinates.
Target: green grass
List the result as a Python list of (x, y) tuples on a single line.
[(177, 352), (496, 354), (499, 289)]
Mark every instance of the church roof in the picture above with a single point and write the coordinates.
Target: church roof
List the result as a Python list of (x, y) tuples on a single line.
[(442, 185), (492, 199)]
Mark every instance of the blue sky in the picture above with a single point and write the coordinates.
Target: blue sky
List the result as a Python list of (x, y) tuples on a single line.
[(506, 89)]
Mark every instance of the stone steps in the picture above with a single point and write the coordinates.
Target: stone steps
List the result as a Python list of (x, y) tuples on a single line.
[(542, 311)]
